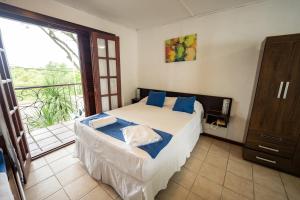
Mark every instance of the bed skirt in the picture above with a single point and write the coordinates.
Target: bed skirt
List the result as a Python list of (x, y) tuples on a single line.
[(128, 187)]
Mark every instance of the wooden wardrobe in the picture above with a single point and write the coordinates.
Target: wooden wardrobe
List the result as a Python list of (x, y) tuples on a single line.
[(274, 127)]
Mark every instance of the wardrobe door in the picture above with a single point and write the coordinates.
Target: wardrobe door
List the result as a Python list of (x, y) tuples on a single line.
[(290, 124), (267, 112)]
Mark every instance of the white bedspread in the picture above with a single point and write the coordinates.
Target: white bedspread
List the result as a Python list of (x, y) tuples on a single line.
[(130, 170)]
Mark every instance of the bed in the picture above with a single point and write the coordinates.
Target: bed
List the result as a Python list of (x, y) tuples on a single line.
[(132, 172)]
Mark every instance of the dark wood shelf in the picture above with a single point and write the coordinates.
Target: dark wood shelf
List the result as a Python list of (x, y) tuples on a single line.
[(212, 116)]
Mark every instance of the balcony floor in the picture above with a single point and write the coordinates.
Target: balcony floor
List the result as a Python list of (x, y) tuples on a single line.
[(45, 139)]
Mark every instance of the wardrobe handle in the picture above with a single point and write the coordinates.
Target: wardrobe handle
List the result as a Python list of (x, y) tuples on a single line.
[(286, 89), (279, 90), (268, 148), (266, 160)]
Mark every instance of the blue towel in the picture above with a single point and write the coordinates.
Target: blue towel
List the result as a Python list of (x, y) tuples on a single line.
[(114, 130), (2, 162)]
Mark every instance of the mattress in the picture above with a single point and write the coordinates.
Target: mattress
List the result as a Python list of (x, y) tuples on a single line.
[(133, 161)]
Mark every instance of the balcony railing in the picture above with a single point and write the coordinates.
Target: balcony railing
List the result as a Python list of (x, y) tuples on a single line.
[(46, 105), (48, 113)]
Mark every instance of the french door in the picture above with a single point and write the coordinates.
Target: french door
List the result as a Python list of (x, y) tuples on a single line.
[(11, 113), (106, 71)]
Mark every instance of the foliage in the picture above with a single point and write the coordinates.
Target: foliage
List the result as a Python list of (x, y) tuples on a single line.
[(55, 104), (37, 76), (56, 108)]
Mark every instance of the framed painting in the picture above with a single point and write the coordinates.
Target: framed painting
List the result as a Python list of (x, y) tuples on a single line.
[(181, 48)]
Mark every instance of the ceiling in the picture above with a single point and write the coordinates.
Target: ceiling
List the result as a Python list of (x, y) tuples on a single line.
[(141, 14)]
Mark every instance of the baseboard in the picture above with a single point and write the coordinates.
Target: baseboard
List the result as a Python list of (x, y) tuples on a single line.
[(223, 139)]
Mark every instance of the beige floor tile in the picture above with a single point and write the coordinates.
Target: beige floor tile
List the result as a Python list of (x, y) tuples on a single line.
[(193, 164), (109, 190), (97, 194), (204, 142), (193, 196), (216, 150), (38, 175), (240, 168), (268, 178), (199, 153), (239, 185), (292, 185), (71, 173), (174, 192), (230, 195), (236, 152), (70, 148), (43, 189), (207, 189), (263, 193), (80, 187), (184, 178), (224, 146), (38, 163), (56, 155), (63, 163), (216, 160), (210, 158), (213, 173), (60, 195)]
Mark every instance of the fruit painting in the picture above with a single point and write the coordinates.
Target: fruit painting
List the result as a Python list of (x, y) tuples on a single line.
[(181, 48)]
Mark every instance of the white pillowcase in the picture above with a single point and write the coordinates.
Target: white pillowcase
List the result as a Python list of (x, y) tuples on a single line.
[(139, 135), (170, 102)]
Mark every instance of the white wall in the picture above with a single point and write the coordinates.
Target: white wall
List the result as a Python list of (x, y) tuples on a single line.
[(227, 54), (128, 37)]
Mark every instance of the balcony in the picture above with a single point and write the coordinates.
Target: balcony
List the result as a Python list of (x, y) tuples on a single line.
[(48, 113)]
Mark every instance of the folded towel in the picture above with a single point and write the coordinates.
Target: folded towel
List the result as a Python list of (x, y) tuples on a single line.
[(140, 135), (104, 121)]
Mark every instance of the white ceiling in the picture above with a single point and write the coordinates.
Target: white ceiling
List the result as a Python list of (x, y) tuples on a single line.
[(141, 14)]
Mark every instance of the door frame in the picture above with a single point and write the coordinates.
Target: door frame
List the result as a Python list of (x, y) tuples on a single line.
[(84, 34), (84, 37)]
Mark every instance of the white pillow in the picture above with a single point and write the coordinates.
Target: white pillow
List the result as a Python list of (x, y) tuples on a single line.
[(170, 102)]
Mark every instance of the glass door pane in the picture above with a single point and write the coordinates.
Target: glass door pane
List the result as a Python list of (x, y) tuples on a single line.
[(111, 49), (113, 86), (114, 102), (101, 47), (102, 67), (105, 104), (104, 86), (112, 68)]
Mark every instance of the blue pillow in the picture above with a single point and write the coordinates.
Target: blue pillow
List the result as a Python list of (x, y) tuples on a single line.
[(185, 104), (156, 98)]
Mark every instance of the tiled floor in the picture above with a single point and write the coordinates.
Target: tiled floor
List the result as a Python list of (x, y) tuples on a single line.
[(44, 139), (215, 170)]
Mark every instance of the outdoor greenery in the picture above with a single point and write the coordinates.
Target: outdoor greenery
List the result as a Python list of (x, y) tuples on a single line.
[(59, 73), (54, 103)]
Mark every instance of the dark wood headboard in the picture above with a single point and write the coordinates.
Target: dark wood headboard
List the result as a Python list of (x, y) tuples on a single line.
[(209, 103)]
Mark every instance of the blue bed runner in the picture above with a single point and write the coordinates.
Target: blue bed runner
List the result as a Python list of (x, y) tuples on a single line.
[(114, 130)]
